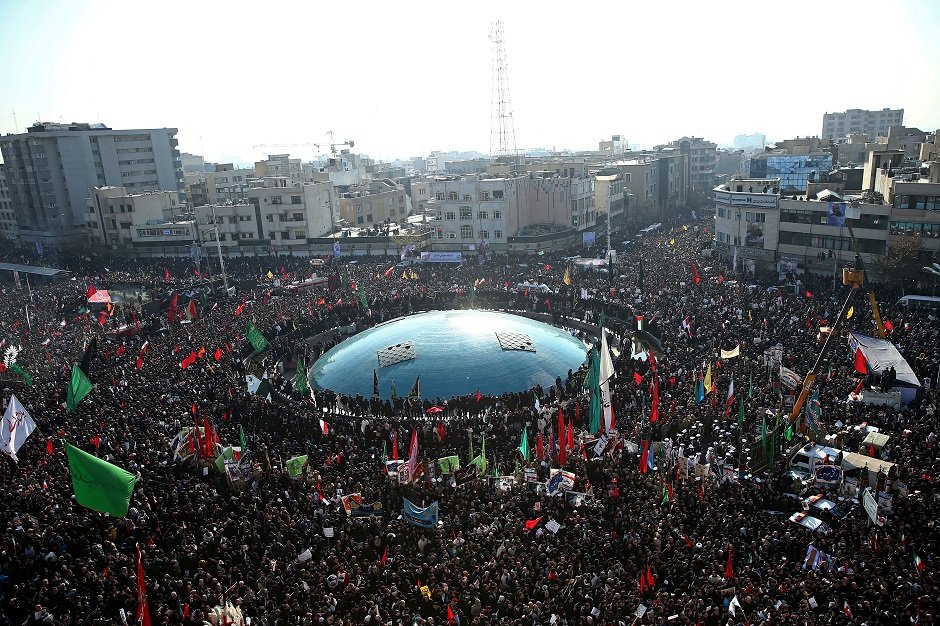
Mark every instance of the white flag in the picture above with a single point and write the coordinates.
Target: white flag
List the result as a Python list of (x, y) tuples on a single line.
[(735, 604), (607, 372), (17, 426)]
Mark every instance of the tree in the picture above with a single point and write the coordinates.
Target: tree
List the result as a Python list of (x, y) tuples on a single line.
[(901, 263)]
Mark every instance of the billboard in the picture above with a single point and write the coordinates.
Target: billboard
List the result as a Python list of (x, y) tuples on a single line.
[(441, 257), (836, 214), (588, 238), (761, 200)]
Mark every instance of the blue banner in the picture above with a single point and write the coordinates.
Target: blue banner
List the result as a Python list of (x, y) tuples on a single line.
[(425, 518)]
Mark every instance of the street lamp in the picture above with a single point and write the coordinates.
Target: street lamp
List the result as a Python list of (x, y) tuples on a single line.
[(608, 175)]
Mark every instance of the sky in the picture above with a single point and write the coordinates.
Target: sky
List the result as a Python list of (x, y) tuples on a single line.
[(402, 79)]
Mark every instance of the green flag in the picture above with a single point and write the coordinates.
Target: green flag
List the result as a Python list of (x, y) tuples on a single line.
[(258, 341), (242, 439), (592, 382), (483, 455), (363, 300), (295, 465), (448, 464), (788, 433), (741, 415), (524, 444), (79, 387), (16, 369), (665, 496), (470, 458), (763, 432), (99, 485), (300, 378), (227, 454), (750, 386)]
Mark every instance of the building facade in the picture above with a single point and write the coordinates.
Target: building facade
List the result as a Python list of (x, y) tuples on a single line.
[(287, 214), (111, 214), (702, 156), (793, 171), (52, 168), (617, 146), (366, 206), (836, 126), (9, 228), (474, 212)]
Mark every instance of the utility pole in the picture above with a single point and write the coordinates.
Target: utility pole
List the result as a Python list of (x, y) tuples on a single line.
[(218, 245)]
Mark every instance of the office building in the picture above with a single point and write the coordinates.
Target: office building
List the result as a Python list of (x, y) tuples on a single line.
[(379, 202), (702, 157), (836, 126), (52, 168), (793, 171), (9, 228)]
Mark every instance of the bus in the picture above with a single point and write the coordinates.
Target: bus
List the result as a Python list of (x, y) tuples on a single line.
[(930, 302)]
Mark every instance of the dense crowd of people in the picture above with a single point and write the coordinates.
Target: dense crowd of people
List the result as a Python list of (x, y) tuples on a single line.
[(645, 545)]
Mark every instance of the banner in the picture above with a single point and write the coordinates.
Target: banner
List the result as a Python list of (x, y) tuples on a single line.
[(789, 378), (376, 509), (559, 481), (295, 465), (449, 464), (465, 474), (730, 354), (423, 517), (352, 501), (441, 257)]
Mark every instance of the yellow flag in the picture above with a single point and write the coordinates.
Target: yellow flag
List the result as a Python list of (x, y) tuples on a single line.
[(413, 275), (672, 242), (425, 591), (567, 278), (270, 275), (750, 318), (851, 312), (708, 379), (404, 274)]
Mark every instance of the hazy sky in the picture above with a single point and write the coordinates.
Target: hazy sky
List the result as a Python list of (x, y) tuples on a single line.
[(405, 78)]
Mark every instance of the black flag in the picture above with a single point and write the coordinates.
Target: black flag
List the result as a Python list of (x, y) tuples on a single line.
[(91, 350)]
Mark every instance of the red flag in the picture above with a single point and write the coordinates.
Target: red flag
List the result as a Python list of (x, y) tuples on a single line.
[(688, 542), (858, 387), (809, 294), (95, 441), (166, 274), (208, 438), (649, 577), (394, 446), (239, 309), (479, 395), (642, 582), (861, 365), (91, 291), (729, 571), (143, 611), (140, 362), (532, 523), (384, 556), (654, 411), (49, 446), (539, 450), (389, 271), (643, 454), (451, 618), (324, 428), (571, 435), (218, 354), (191, 309), (174, 303), (562, 453), (695, 277), (440, 430), (637, 378), (102, 318), (888, 325)]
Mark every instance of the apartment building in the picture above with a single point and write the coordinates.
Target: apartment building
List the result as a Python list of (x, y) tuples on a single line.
[(282, 166), (52, 168), (9, 227), (287, 214), (112, 213), (379, 202), (702, 156), (836, 126), (471, 211)]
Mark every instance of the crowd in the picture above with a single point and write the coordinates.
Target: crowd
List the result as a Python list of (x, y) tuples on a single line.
[(645, 546)]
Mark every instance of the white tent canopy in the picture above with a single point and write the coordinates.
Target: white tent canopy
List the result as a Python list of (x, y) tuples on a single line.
[(881, 355)]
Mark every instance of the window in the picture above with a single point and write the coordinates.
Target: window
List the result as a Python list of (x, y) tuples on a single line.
[(451, 235), (497, 194), (295, 200), (467, 198), (359, 220), (277, 200), (359, 209), (497, 234), (466, 213), (450, 215), (369, 217), (483, 215), (453, 196), (439, 195), (484, 235), (484, 196), (298, 217), (466, 232), (269, 218), (754, 217), (497, 215), (300, 234)]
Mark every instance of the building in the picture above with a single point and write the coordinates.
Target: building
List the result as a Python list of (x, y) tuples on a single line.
[(730, 163), (836, 126), (52, 168), (282, 166), (702, 157), (287, 214), (111, 214), (476, 212), (793, 171), (225, 183), (749, 143), (930, 149), (379, 202), (639, 187), (617, 146), (9, 228), (192, 163)]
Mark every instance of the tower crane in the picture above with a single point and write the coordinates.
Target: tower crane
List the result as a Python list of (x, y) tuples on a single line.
[(332, 145)]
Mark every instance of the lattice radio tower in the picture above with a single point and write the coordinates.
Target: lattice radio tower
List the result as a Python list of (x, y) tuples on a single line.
[(502, 131)]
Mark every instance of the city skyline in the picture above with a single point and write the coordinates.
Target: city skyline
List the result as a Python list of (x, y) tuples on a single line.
[(405, 80)]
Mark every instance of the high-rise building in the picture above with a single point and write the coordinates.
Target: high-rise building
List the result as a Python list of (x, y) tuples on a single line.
[(52, 168), (8, 224), (702, 157), (836, 126)]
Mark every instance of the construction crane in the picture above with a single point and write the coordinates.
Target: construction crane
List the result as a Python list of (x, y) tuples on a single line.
[(332, 145), (854, 278)]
